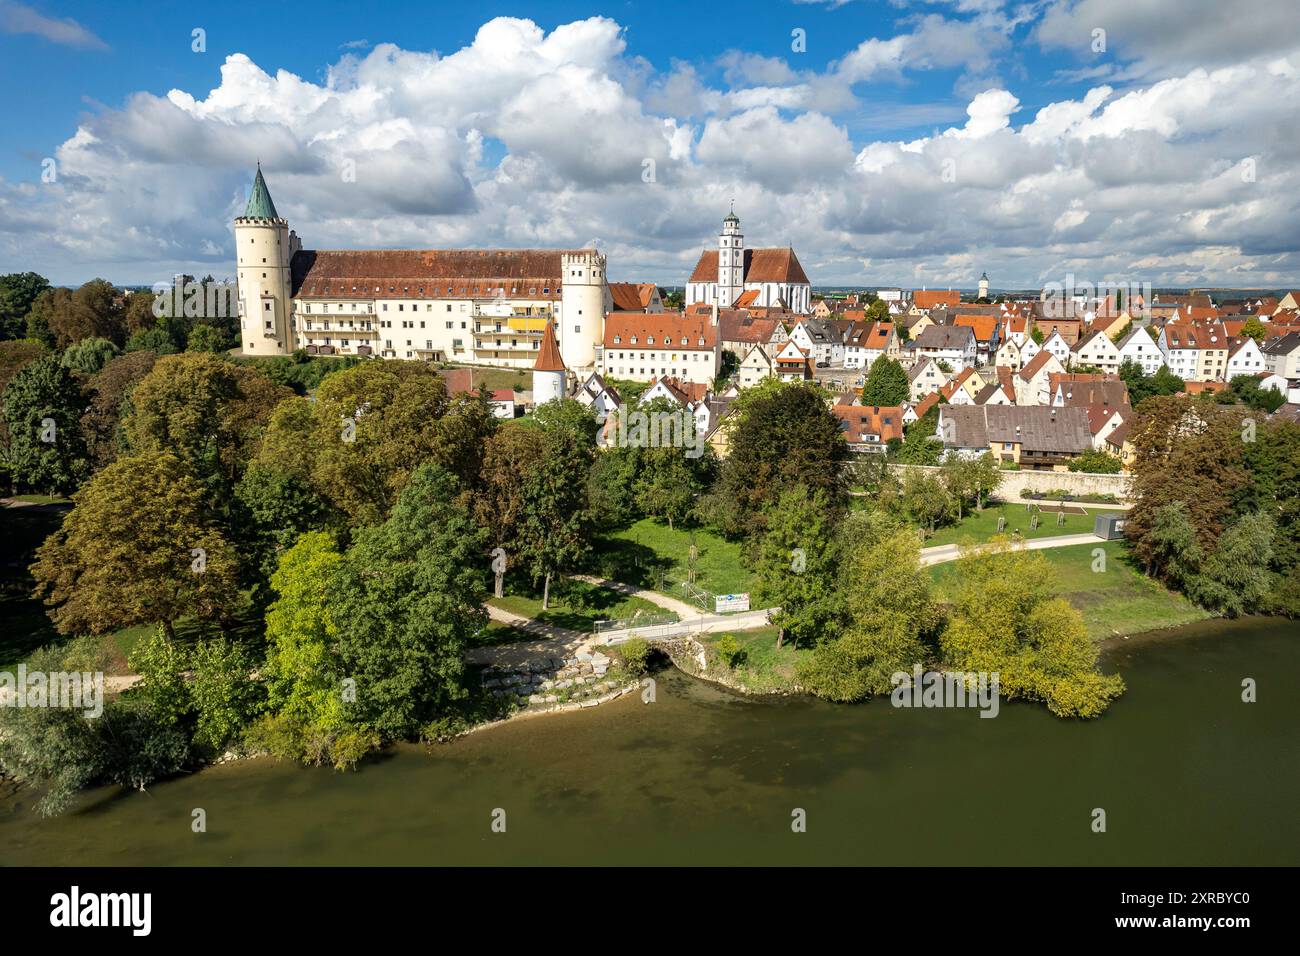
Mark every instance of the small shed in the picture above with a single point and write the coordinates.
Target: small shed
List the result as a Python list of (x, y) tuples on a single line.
[(1109, 526)]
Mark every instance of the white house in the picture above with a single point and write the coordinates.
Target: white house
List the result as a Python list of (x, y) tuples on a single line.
[(1139, 348), (925, 377), (954, 344), (1244, 358), (756, 366), (645, 346), (821, 339), (1055, 344), (1098, 350), (1282, 355), (603, 399)]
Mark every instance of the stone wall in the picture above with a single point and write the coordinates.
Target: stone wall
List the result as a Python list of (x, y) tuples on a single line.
[(1015, 484)]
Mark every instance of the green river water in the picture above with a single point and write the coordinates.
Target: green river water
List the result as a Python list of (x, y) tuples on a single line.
[(1186, 772)]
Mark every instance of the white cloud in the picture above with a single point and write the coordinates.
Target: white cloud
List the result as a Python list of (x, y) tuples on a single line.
[(22, 19), (549, 143)]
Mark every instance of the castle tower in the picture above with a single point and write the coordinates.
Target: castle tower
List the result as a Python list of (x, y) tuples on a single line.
[(548, 371), (731, 261), (264, 247), (984, 285), (584, 300)]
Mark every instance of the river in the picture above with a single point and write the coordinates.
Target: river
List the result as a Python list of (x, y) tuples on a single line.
[(1186, 772)]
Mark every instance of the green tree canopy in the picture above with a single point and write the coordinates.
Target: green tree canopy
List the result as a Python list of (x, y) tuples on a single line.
[(138, 547), (886, 383)]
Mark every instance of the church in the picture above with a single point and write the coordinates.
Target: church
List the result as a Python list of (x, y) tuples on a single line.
[(734, 277), (478, 306)]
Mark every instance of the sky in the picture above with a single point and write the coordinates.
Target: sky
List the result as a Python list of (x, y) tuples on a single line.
[(913, 144)]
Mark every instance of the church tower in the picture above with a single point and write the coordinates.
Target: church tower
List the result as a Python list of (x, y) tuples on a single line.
[(731, 261), (548, 370), (264, 247)]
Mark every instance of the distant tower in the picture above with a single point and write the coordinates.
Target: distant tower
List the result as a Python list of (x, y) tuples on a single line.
[(584, 300), (264, 247), (984, 285), (731, 261), (548, 371)]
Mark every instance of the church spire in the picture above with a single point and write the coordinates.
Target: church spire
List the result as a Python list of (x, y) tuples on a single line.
[(259, 200)]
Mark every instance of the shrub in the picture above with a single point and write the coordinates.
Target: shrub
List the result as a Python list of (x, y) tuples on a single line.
[(729, 650), (635, 654)]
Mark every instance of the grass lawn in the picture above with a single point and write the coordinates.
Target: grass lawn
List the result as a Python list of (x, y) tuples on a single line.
[(1118, 601), (637, 554), (43, 499), (980, 526), (593, 604), (495, 378), (763, 667)]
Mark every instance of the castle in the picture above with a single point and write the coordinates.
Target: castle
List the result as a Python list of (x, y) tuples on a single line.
[(473, 306), (481, 306)]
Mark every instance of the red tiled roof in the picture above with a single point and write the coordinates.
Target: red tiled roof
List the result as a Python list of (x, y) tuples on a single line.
[(548, 357), (929, 299), (761, 265), (983, 325), (661, 330), (630, 296), (428, 273), (861, 420)]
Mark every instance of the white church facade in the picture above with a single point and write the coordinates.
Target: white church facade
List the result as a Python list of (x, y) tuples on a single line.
[(735, 277)]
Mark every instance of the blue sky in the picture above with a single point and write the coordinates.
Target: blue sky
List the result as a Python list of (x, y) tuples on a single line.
[(1130, 170)]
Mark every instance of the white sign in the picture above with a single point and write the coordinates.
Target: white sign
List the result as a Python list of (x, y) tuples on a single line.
[(723, 603)]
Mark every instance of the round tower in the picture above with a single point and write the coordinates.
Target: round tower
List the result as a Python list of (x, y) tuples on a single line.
[(731, 261), (584, 300), (984, 285), (548, 370), (264, 247)]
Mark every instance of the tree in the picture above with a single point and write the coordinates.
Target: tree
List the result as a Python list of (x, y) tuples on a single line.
[(553, 531), (275, 508), (42, 412), (203, 409), (779, 435), (970, 480), (921, 442), (408, 597), (89, 355), (18, 291), (95, 310), (1173, 553), (372, 426), (1006, 620), (155, 339), (926, 501), (304, 671), (886, 384), (1253, 328), (1096, 463), (109, 393), (796, 565), (1234, 579), (510, 456), (207, 338), (609, 484), (889, 615), (222, 692), (138, 547), (1190, 452)]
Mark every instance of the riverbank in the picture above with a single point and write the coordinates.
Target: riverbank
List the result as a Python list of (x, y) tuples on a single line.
[(1187, 772)]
